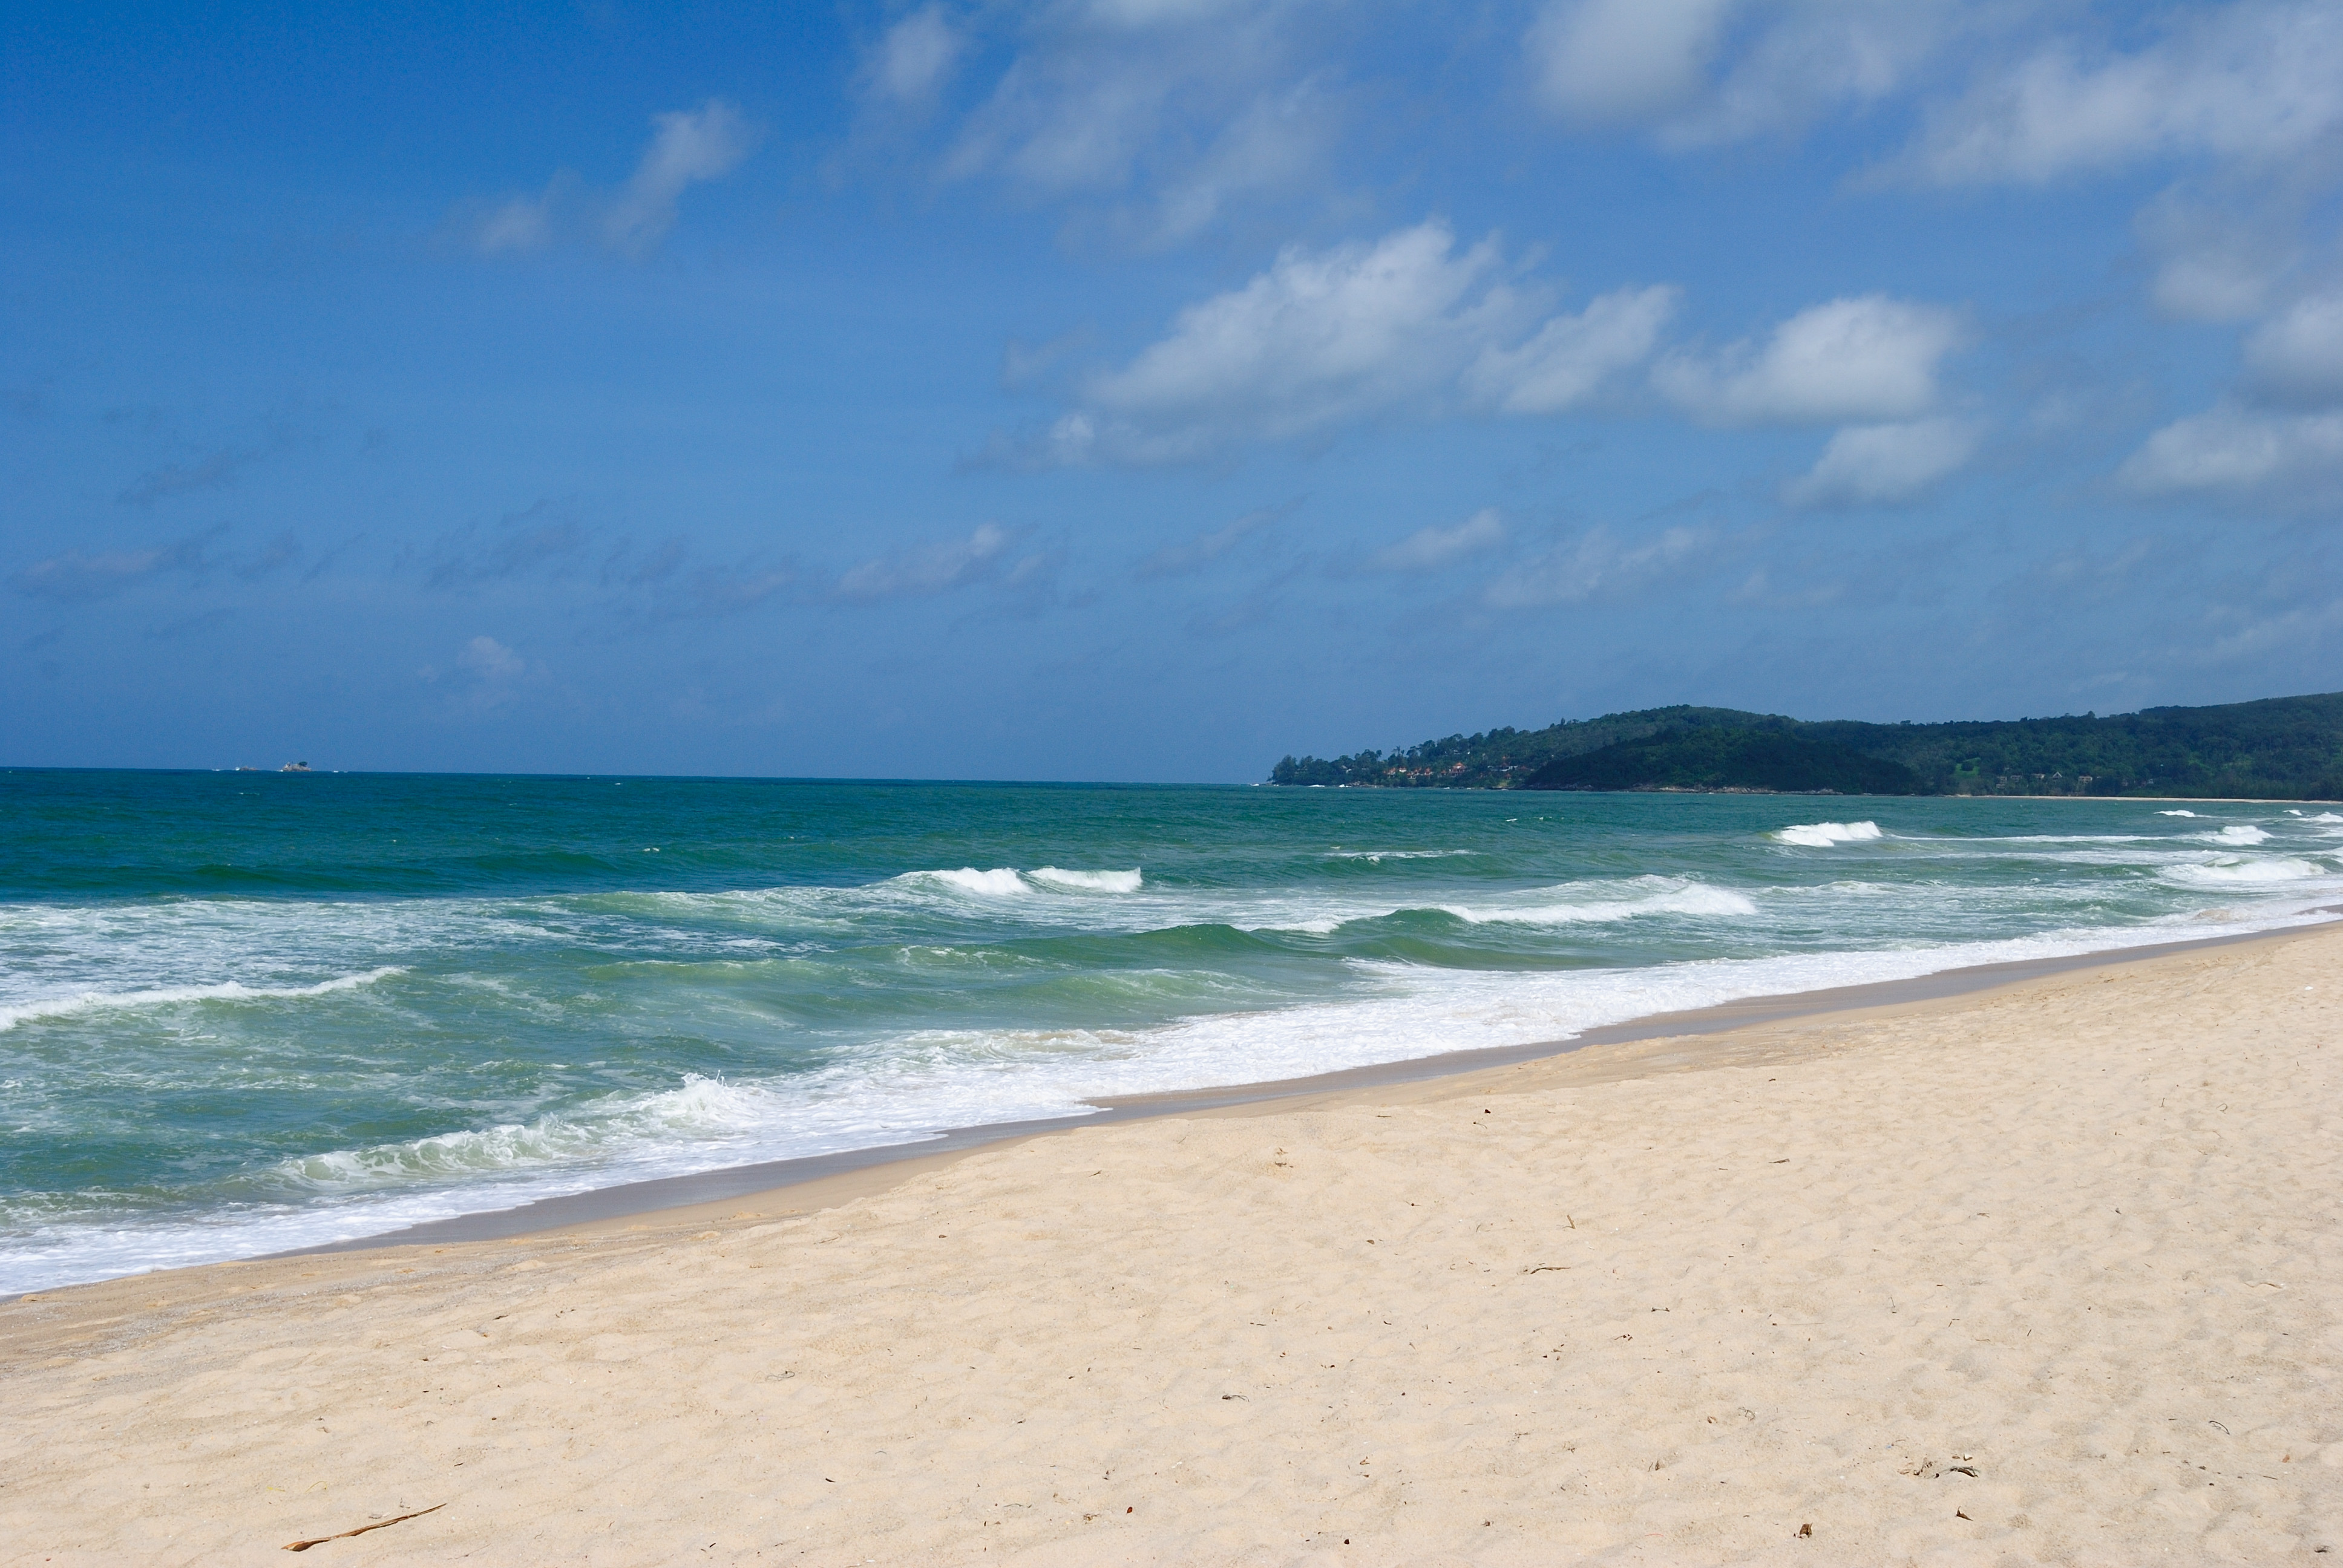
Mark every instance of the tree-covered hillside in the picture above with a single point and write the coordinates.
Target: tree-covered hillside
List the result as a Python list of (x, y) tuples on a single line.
[(2284, 748)]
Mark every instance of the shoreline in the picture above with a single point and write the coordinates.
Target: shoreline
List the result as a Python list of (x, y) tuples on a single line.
[(2041, 1270), (870, 1169)]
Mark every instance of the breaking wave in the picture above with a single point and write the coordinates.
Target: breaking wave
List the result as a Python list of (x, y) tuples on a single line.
[(1006, 882), (1823, 835), (2227, 873), (1658, 896)]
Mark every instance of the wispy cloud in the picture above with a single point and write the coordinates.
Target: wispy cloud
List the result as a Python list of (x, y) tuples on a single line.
[(1432, 549), (539, 535), (688, 147), (1153, 118), (2249, 82), (923, 571), (77, 575), (1597, 563), (1192, 555), (216, 471)]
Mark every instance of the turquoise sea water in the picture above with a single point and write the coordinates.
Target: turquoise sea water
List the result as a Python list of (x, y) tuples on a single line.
[(242, 1012)]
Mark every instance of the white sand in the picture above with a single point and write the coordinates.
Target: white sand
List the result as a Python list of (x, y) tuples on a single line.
[(2063, 1258)]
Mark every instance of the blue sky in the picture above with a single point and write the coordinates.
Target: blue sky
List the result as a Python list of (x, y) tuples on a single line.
[(1147, 389)]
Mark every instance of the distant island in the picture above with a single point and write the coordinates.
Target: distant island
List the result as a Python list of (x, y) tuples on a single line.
[(2280, 749)]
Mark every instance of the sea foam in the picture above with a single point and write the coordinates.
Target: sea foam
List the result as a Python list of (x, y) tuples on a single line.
[(1823, 835), (2223, 873), (1650, 896), (168, 995)]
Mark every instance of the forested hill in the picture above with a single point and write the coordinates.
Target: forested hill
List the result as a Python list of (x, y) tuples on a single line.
[(2283, 748)]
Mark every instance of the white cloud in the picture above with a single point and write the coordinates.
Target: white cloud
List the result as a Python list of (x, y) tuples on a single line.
[(1861, 360), (686, 148), (1623, 62), (1569, 358), (1595, 563), (487, 676), (2297, 357), (2219, 254), (2243, 454), (1429, 550), (915, 58), (1878, 464), (1698, 73), (2254, 82), (927, 570), (1405, 323), (523, 223), (1152, 116), (1319, 338), (491, 660)]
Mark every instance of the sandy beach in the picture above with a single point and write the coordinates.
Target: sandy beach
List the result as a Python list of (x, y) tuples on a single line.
[(2045, 1273)]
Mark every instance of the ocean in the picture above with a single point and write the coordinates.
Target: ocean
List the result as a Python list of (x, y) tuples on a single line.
[(241, 1014)]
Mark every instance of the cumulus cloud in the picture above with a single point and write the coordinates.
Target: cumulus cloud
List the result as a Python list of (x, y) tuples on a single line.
[(686, 148), (2231, 451), (1862, 361), (1430, 549), (927, 570), (2296, 357), (1597, 563), (1698, 73), (1614, 62), (1880, 465), (2254, 82), (1566, 362), (1319, 337), (1354, 331), (486, 676), (489, 660)]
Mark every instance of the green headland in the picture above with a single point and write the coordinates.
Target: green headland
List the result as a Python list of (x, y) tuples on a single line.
[(2279, 748)]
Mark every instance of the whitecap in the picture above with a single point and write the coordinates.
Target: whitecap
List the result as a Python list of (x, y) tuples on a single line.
[(1655, 896), (165, 996), (2222, 873), (1001, 883), (2176, 813), (2235, 833), (1088, 881), (1823, 835), (1376, 857)]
